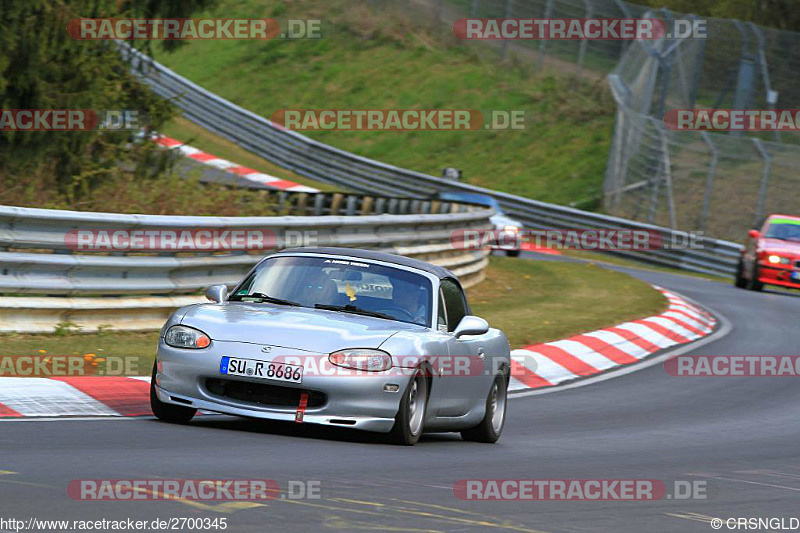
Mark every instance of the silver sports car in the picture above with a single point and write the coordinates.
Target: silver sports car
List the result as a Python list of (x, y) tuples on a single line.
[(340, 337)]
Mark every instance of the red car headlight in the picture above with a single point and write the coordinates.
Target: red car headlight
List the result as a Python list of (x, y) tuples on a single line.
[(778, 259)]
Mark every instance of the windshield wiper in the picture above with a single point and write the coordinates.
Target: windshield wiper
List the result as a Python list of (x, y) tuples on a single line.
[(261, 297), (353, 309)]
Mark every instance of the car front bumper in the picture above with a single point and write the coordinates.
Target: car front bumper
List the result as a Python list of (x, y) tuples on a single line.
[(352, 399), (782, 277)]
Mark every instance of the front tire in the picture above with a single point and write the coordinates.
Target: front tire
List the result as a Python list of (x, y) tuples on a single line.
[(166, 411), (753, 284), (491, 426), (740, 281), (512, 253), (410, 417)]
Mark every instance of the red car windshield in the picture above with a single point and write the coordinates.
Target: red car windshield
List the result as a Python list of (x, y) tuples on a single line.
[(785, 230)]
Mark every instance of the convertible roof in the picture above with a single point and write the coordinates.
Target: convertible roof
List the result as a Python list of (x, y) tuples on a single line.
[(441, 272)]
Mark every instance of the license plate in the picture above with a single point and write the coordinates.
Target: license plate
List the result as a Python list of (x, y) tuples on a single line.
[(795, 276), (253, 368)]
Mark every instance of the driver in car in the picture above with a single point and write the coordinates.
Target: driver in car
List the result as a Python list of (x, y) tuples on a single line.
[(408, 297)]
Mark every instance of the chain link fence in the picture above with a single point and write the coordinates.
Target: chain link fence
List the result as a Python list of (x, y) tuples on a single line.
[(586, 58), (717, 183)]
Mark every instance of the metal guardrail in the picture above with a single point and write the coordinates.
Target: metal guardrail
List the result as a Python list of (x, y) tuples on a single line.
[(325, 163), (47, 281), (39, 258)]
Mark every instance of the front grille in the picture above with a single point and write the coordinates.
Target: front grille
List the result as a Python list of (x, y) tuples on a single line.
[(263, 394)]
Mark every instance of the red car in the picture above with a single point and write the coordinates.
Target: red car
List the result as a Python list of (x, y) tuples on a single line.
[(772, 255)]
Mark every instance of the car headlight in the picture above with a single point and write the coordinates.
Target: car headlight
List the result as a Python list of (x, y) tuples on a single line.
[(186, 337), (511, 229), (362, 359), (775, 259)]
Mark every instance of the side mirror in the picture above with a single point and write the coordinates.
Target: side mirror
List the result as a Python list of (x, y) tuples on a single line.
[(471, 325), (217, 293), (754, 234)]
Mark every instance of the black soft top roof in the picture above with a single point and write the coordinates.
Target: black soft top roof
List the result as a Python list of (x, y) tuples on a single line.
[(438, 271)]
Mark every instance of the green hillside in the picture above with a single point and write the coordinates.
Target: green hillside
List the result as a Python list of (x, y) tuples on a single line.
[(383, 61)]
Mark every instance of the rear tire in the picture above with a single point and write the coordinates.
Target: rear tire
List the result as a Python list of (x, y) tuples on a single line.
[(166, 411), (740, 282), (512, 253), (491, 426), (410, 419)]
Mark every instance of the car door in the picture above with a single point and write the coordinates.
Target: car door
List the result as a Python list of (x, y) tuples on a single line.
[(462, 375)]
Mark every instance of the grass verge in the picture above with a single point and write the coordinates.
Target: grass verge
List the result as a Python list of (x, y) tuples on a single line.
[(383, 61), (539, 301), (531, 301)]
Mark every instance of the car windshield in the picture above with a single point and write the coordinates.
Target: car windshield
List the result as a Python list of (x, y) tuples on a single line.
[(479, 199), (344, 285), (784, 231)]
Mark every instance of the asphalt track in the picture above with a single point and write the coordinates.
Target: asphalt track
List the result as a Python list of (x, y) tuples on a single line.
[(739, 435)]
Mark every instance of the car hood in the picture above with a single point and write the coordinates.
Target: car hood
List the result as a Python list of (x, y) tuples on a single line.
[(779, 246), (312, 330), (500, 220)]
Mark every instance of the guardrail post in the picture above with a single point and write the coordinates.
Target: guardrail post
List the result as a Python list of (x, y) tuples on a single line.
[(626, 14), (762, 191), (283, 205), (302, 203), (509, 10), (437, 14), (712, 170), (548, 11), (366, 205), (336, 203), (771, 96), (352, 201), (319, 204), (582, 49), (667, 164), (664, 175)]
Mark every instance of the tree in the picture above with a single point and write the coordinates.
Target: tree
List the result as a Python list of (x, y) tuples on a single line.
[(42, 67)]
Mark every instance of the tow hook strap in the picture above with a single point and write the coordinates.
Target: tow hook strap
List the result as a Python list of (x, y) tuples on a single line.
[(301, 408)]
